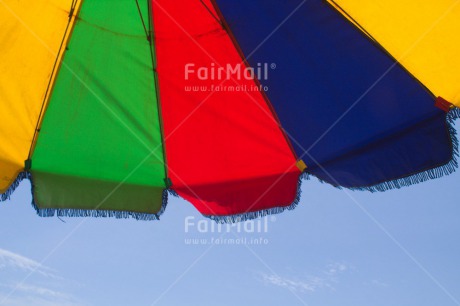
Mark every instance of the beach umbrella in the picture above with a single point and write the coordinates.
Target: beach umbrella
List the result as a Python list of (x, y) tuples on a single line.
[(108, 106)]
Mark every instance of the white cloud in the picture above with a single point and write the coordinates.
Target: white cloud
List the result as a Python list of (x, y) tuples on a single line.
[(336, 268), (325, 279), (29, 294), (378, 283), (310, 285), (35, 301), (9, 259), (36, 290), (45, 289)]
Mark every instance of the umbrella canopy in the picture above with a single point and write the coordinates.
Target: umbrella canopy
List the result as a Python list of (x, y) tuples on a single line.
[(110, 105)]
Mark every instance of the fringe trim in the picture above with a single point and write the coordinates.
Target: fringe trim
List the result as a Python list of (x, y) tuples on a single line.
[(435, 173), (453, 115), (438, 172), (261, 213), (63, 212), (7, 195), (173, 193)]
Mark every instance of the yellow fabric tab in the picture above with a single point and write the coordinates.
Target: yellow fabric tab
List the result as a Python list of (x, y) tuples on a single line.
[(422, 35), (31, 33), (301, 165)]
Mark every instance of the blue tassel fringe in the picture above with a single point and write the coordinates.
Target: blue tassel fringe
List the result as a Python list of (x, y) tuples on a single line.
[(435, 173), (173, 193), (7, 195), (60, 212), (431, 174), (424, 176)]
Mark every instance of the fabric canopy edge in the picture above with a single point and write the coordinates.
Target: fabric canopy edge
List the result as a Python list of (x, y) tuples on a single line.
[(423, 176), (12, 185), (227, 219), (251, 215), (15, 184), (61, 212)]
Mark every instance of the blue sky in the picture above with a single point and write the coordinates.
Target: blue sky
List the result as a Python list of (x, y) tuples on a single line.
[(336, 248)]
